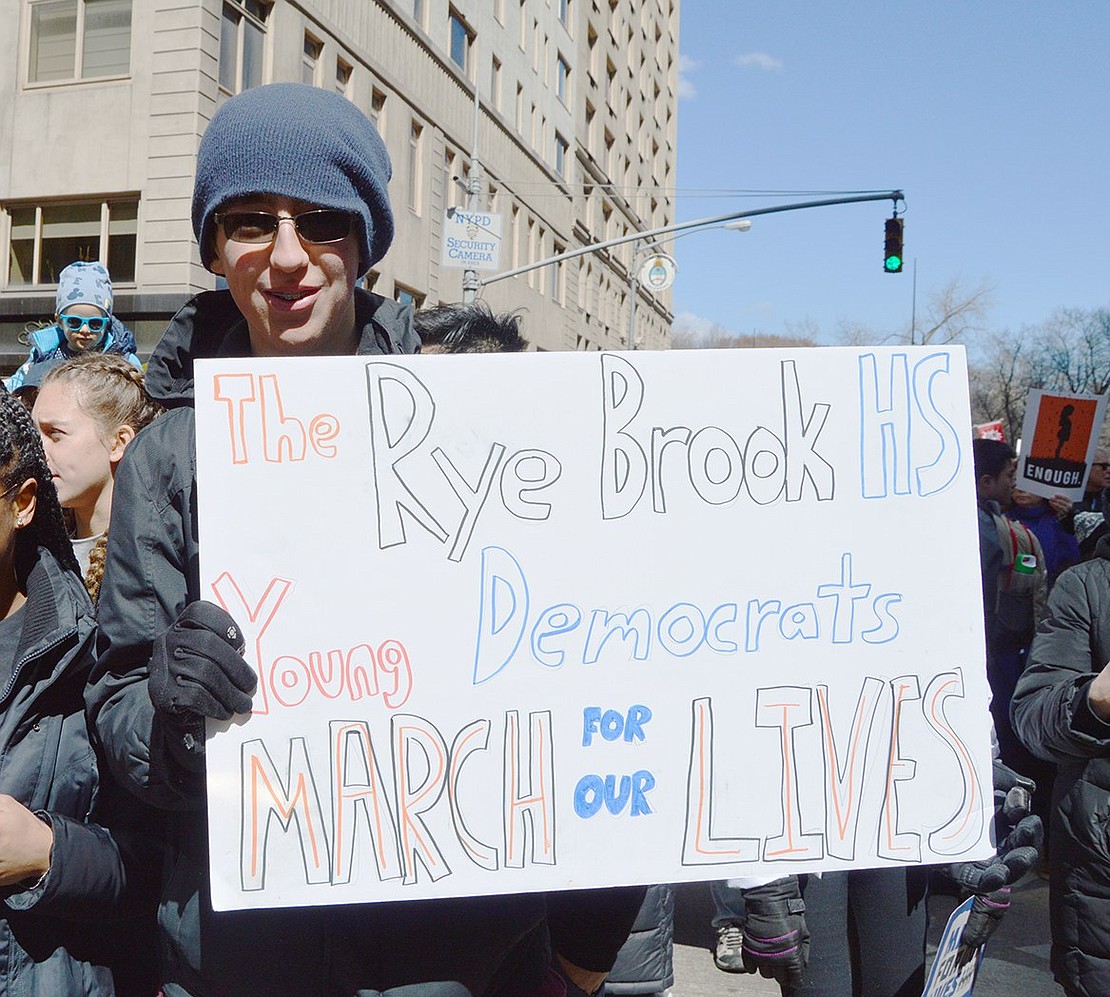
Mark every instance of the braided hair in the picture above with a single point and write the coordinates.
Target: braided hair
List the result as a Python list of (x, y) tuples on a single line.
[(111, 391), (109, 388), (21, 457)]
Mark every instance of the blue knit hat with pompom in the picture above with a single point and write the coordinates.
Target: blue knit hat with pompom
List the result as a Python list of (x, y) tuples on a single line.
[(300, 142)]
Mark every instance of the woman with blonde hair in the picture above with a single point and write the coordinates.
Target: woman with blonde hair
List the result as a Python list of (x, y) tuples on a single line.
[(87, 411)]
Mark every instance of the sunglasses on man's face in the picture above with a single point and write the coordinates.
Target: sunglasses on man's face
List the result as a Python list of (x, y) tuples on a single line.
[(97, 324), (256, 228)]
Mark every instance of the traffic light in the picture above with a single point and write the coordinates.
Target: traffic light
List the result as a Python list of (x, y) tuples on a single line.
[(892, 257)]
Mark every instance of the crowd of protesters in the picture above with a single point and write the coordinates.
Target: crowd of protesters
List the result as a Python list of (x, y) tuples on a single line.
[(113, 663)]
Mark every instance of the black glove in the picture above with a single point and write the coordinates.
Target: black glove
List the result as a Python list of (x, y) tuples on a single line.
[(197, 668), (1019, 834), (987, 912), (776, 939)]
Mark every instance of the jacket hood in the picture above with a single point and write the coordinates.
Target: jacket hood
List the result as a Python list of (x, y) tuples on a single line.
[(209, 325), (57, 604), (1102, 548)]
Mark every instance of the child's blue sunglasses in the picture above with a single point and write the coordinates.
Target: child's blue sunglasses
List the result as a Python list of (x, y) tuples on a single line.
[(97, 323)]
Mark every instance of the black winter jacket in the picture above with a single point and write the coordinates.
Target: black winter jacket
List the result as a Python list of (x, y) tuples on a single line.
[(151, 575), (55, 938), (645, 964), (1052, 717)]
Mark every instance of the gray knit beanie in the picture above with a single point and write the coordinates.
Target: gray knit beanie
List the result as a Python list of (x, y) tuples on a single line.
[(295, 141)]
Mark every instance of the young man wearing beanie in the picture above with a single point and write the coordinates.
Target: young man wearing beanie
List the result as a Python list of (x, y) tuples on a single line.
[(290, 207), (83, 321)]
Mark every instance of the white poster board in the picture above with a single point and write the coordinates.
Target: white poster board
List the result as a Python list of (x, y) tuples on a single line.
[(533, 622), (1059, 437)]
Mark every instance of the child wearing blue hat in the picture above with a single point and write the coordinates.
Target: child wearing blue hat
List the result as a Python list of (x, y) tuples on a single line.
[(83, 321)]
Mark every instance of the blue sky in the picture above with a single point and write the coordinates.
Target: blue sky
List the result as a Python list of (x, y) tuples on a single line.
[(994, 118)]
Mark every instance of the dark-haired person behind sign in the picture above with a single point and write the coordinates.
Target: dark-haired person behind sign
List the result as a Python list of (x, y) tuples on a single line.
[(290, 208)]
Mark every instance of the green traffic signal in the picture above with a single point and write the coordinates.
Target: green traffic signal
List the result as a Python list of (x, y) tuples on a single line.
[(892, 256)]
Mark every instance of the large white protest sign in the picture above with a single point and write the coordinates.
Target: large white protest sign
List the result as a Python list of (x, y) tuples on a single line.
[(533, 622)]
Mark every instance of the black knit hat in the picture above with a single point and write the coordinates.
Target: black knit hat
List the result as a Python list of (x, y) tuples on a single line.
[(300, 142)]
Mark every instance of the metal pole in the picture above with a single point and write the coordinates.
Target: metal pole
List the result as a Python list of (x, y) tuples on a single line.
[(913, 306), (634, 287), (655, 233), (470, 282)]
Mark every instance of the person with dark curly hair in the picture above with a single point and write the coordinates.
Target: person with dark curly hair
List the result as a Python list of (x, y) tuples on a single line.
[(64, 877)]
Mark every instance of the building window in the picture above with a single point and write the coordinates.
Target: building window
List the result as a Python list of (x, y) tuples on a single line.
[(561, 149), (343, 78), (407, 296), (451, 184), (562, 79), (495, 83), (418, 12), (46, 238), (462, 41), (541, 254), (499, 10), (531, 251), (80, 40), (377, 110), (556, 276), (523, 25), (564, 11), (519, 109), (310, 60), (242, 44), (416, 134)]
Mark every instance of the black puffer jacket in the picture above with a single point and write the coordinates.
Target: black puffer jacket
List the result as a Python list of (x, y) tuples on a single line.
[(1052, 717), (56, 938), (645, 964), (151, 575)]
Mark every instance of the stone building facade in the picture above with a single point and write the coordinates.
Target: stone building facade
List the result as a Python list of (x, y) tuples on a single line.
[(103, 102)]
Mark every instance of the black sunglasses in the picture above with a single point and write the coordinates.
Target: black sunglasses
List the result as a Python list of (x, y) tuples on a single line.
[(256, 228)]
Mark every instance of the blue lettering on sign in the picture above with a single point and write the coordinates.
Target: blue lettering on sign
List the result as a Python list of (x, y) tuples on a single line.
[(613, 725), (593, 792), (844, 610)]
